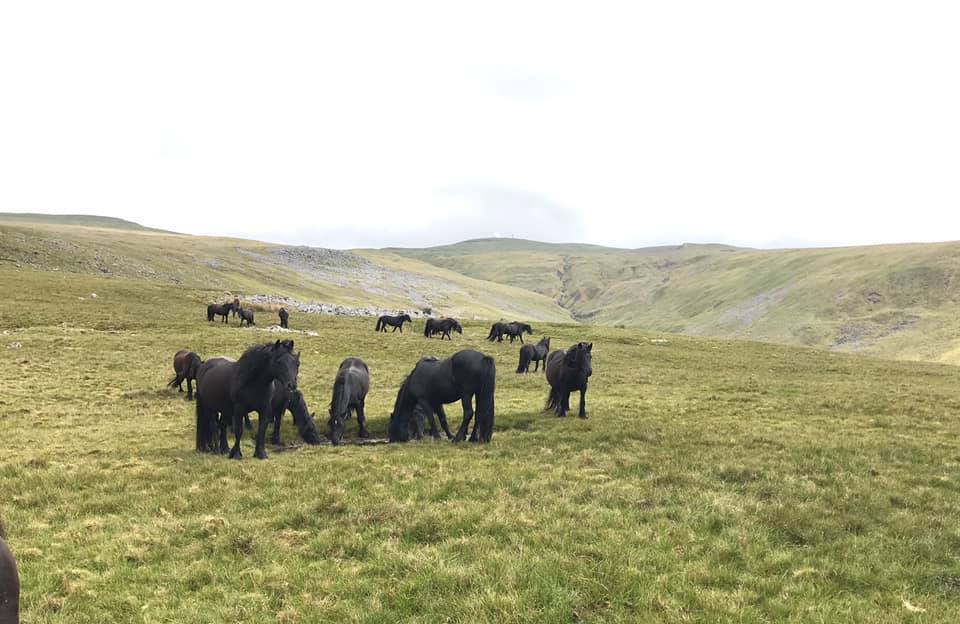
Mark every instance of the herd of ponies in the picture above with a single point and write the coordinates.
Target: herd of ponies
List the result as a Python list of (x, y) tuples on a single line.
[(264, 380)]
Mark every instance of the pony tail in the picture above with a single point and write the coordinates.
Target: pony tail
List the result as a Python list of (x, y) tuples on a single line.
[(174, 381), (485, 400), (400, 431), (524, 361)]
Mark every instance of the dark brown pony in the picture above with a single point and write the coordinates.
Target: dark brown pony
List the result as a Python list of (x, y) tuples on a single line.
[(534, 353), (221, 310), (441, 326), (350, 389), (228, 390), (246, 314), (9, 586), (284, 318), (568, 371), (433, 383), (393, 321), (185, 365)]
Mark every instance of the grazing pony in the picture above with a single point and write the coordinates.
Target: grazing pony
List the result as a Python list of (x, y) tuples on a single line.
[(513, 330), (185, 365), (227, 391), (534, 353), (9, 586), (394, 321), (568, 371), (246, 314), (433, 383), (284, 318), (350, 389), (223, 310), (284, 400), (443, 327)]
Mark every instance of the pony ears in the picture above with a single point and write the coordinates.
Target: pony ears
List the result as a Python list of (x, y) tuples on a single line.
[(287, 344), (589, 346)]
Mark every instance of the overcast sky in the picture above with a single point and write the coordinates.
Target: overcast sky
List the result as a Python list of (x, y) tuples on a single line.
[(405, 123)]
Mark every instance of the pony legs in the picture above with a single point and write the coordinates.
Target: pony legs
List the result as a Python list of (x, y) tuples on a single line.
[(443, 421), (467, 402), (583, 403), (238, 414), (362, 421), (263, 419), (428, 410), (275, 436)]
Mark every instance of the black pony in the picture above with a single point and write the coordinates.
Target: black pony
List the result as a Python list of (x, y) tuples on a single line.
[(9, 586), (394, 321), (443, 327), (185, 365), (349, 394), (433, 383), (284, 318), (284, 400), (246, 314), (223, 310), (228, 390), (513, 330), (568, 371), (531, 353)]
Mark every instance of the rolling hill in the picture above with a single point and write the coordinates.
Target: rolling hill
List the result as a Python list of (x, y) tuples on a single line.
[(892, 301), (896, 301), (214, 266)]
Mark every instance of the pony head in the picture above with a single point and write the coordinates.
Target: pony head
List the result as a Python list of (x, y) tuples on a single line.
[(303, 419), (580, 358), (285, 364)]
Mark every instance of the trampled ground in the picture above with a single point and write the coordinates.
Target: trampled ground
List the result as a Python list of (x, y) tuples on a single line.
[(713, 481)]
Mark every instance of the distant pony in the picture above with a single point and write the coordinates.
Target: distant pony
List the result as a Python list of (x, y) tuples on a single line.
[(349, 395), (534, 353), (224, 309), (236, 305), (433, 383), (394, 321), (568, 371), (246, 314), (441, 326), (513, 330), (284, 318), (185, 365)]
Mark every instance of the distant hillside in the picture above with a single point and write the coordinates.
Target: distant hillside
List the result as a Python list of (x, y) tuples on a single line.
[(112, 223), (214, 266), (893, 301)]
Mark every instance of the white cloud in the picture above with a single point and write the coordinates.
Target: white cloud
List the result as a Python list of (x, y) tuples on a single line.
[(754, 123)]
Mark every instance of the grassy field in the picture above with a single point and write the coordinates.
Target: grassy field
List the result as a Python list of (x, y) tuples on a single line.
[(714, 480), (897, 301)]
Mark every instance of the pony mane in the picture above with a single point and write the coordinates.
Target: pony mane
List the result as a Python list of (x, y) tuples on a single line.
[(255, 359)]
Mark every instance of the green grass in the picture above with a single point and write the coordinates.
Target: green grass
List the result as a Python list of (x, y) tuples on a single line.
[(714, 480)]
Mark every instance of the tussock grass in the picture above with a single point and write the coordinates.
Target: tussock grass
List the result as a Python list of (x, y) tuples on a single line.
[(713, 481)]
